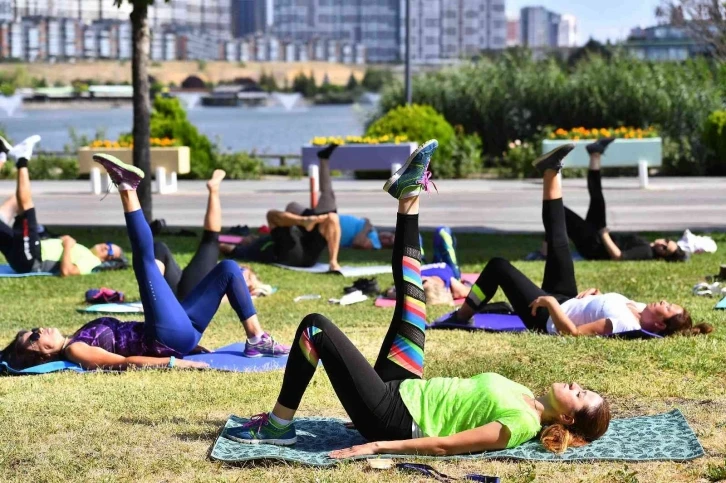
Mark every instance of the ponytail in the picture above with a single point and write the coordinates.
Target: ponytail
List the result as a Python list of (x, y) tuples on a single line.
[(682, 324), (590, 424)]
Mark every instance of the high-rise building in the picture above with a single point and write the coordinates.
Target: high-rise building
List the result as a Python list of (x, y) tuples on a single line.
[(567, 35), (539, 27), (248, 17), (376, 25), (452, 29), (513, 36)]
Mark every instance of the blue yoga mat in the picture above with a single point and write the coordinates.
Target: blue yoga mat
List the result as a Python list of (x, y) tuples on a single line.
[(126, 308), (7, 272), (227, 358), (721, 305), (512, 323), (662, 437)]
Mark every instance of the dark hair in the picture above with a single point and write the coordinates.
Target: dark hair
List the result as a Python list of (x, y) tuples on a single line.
[(589, 425), (679, 255), (682, 324), (18, 358)]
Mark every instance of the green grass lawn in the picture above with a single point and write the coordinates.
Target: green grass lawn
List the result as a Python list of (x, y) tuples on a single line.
[(156, 425)]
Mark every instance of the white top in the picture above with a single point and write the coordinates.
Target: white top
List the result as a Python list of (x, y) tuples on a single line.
[(612, 306)]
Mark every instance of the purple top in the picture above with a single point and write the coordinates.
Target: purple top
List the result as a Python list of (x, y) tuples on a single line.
[(441, 270), (122, 338)]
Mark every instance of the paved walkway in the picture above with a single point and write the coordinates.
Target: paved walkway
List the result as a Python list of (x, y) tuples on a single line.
[(670, 204)]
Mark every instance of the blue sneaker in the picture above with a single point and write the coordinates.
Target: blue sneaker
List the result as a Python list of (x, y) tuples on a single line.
[(261, 429), (420, 244), (414, 174), (445, 249)]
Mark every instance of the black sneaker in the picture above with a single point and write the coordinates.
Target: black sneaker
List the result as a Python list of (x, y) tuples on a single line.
[(239, 230), (369, 286), (599, 146), (553, 159), (157, 226), (452, 319), (327, 152)]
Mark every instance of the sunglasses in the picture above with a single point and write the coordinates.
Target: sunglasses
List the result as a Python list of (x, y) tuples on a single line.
[(109, 247), (34, 335)]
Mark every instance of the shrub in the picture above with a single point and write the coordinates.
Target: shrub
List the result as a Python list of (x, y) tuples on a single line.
[(714, 138), (465, 156), (240, 165), (45, 167), (419, 124), (517, 159)]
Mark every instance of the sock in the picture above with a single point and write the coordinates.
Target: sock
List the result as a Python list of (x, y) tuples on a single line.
[(280, 421), (21, 163), (256, 339)]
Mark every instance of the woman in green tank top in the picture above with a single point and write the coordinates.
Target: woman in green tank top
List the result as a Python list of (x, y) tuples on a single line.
[(390, 404)]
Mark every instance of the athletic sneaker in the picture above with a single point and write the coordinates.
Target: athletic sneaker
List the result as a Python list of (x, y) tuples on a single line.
[(5, 146), (553, 159), (414, 174), (327, 152), (123, 175), (452, 319), (24, 149), (267, 346), (599, 146), (261, 429), (445, 249)]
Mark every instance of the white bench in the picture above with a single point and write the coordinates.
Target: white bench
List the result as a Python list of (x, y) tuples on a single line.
[(643, 153), (163, 160)]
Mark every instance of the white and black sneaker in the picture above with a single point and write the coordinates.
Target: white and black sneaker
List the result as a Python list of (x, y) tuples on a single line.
[(24, 149)]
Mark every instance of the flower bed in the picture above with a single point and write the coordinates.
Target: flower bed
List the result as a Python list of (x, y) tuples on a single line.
[(125, 143), (387, 139), (579, 133)]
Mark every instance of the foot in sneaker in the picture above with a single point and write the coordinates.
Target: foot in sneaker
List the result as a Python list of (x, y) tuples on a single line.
[(262, 429), (124, 176), (454, 319), (554, 159), (5, 146), (24, 149), (414, 174), (599, 146), (327, 152), (266, 347)]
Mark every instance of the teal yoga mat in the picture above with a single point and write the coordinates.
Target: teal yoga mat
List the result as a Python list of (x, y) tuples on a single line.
[(663, 437), (126, 308)]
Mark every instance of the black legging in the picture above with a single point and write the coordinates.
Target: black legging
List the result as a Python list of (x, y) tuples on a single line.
[(585, 234), (204, 260), (369, 394), (559, 274)]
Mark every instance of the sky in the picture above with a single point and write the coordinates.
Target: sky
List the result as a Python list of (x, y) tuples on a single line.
[(600, 19)]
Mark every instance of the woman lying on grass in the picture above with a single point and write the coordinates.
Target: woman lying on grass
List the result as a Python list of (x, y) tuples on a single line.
[(171, 329), (557, 308), (391, 405)]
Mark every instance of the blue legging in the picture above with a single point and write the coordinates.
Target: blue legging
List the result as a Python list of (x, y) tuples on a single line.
[(180, 325)]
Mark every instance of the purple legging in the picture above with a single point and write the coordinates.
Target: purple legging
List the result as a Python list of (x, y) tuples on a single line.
[(180, 325)]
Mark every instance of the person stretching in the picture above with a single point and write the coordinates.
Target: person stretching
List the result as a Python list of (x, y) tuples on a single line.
[(21, 245), (171, 328), (390, 404), (591, 236), (556, 307), (298, 240)]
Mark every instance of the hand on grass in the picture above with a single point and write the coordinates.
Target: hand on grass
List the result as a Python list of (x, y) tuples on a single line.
[(544, 301), (589, 292), (360, 450)]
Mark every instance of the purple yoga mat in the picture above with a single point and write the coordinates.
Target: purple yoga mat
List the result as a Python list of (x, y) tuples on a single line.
[(230, 358)]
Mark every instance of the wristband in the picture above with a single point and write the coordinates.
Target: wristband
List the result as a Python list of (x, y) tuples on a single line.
[(172, 362)]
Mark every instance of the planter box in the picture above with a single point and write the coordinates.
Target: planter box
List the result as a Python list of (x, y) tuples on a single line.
[(173, 160), (361, 157), (622, 152)]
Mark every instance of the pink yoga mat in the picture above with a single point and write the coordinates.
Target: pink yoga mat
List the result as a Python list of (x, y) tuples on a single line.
[(466, 277)]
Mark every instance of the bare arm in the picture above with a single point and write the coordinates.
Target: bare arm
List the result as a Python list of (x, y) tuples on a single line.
[(96, 358), (610, 246), (563, 323), (361, 240), (67, 267), (491, 436)]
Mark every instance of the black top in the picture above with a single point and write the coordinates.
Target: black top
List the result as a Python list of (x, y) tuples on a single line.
[(632, 247)]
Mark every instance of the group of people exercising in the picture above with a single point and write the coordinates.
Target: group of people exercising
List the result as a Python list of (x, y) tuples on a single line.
[(389, 403)]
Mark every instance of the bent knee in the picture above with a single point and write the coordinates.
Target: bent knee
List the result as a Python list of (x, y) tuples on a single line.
[(498, 263), (316, 320)]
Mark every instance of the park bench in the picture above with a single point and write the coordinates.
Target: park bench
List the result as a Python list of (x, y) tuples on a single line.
[(164, 161), (644, 153)]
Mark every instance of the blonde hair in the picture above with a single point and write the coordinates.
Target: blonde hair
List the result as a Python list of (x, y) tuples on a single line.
[(590, 424), (437, 294)]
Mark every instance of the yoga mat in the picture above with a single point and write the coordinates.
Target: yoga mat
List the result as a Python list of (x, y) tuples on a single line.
[(663, 437), (383, 302), (347, 271), (127, 308), (227, 358), (7, 272), (512, 323), (721, 305)]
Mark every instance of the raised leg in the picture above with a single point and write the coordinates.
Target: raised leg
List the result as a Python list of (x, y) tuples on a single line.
[(330, 230)]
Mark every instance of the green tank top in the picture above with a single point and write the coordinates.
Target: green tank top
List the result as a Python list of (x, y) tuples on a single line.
[(448, 405)]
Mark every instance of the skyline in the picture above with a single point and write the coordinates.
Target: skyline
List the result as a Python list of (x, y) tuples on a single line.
[(613, 22)]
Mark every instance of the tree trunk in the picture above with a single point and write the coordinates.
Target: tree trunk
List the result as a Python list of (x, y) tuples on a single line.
[(141, 101)]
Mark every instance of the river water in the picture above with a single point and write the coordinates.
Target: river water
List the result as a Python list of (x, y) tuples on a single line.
[(272, 130)]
